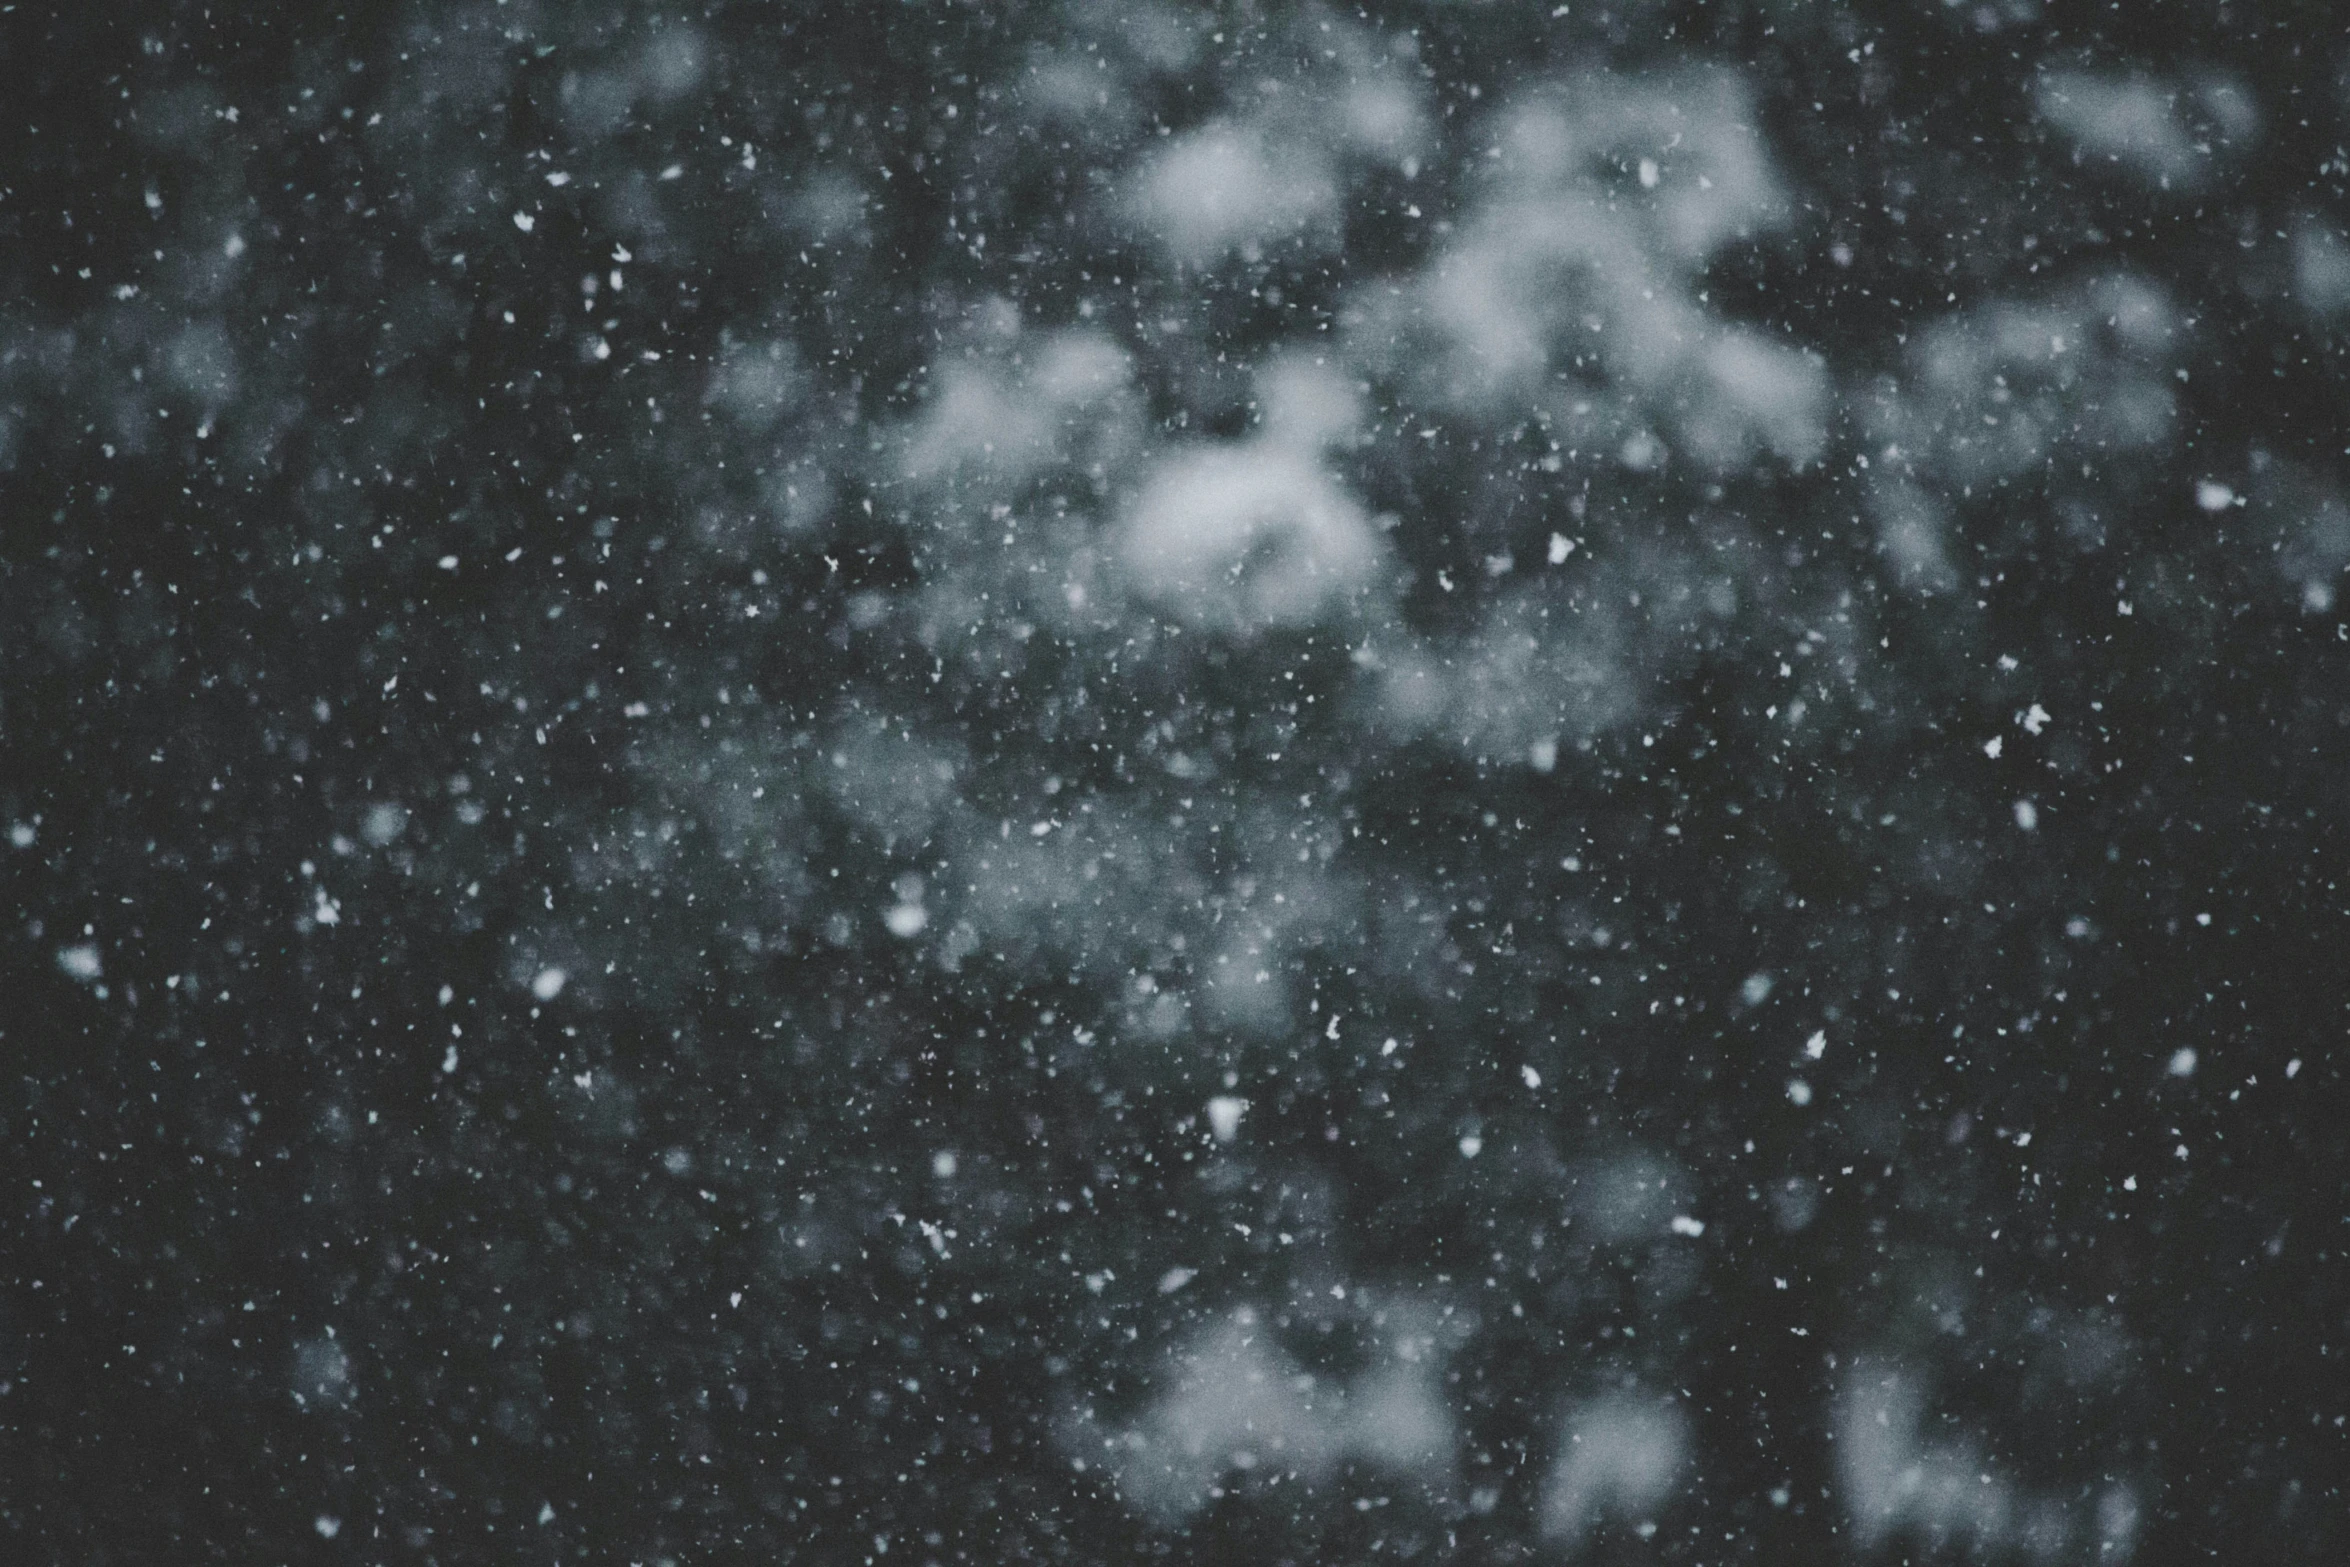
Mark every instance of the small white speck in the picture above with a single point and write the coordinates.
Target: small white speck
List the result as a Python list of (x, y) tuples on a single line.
[(1993, 746), (327, 1525), (1816, 1046), (449, 1061), (943, 1164), (2182, 1061), (558, 179), (1224, 1113), (1799, 1091), (2036, 719), (549, 983), (525, 222), (1648, 173), (2292, 1069), (2129, 1183), (1472, 1145), (2212, 495), (81, 962), (2027, 815), (1560, 548), (546, 1513), (21, 834), (1532, 1077), (448, 563), (2202, 919), (1175, 1278), (1685, 1225)]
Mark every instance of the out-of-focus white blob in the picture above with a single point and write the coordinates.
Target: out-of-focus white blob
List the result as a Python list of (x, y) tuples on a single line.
[(1381, 117), (2160, 133), (1247, 538), (1306, 404), (383, 822), (1237, 1403), (322, 1374), (1750, 395), (2312, 522), (1228, 187), (2082, 374), (1237, 1410), (1606, 198), (1898, 1483), (1224, 1113), (2321, 266), (2117, 1524), (1627, 1197), (1005, 417), (757, 384), (1914, 534), (1621, 1457), (1894, 1481), (1536, 668), (2121, 120), (1396, 1418)]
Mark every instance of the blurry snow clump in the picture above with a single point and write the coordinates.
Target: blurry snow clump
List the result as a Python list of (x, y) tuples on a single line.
[(1006, 417), (1241, 1410), (1622, 1455), (1253, 535), (1607, 198), (2158, 133), (1898, 1483)]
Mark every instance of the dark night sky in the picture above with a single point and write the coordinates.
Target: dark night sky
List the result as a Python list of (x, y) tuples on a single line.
[(1263, 783)]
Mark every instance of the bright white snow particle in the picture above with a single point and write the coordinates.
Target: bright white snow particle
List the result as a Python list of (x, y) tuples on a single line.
[(943, 1164), (905, 920), (2212, 495), (81, 962), (1799, 1090), (1685, 1225), (1224, 1113), (2182, 1061), (525, 222), (1816, 1046), (2036, 720), (549, 984), (1993, 746), (1472, 1145), (327, 1525), (2027, 815), (1532, 1077)]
